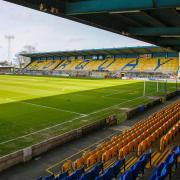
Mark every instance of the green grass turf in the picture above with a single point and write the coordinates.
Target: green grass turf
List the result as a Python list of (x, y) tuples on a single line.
[(29, 104)]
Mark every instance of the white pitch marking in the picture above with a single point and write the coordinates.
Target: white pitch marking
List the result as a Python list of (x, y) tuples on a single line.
[(74, 119), (113, 106), (49, 107)]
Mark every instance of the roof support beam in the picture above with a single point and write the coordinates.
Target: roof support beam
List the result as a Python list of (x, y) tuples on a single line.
[(155, 31), (169, 41), (127, 20), (97, 6), (154, 21), (103, 21)]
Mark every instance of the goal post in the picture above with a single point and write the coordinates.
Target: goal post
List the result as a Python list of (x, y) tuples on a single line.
[(155, 87), (144, 90)]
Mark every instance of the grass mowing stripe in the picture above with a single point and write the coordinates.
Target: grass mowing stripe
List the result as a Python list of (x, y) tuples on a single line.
[(80, 95), (61, 123)]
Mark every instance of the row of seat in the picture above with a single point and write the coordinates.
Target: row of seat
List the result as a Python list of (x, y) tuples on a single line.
[(165, 168), (95, 173), (157, 130), (164, 141), (137, 168), (38, 65), (112, 65), (64, 176), (98, 173), (146, 130), (147, 136), (131, 145), (111, 172), (126, 142)]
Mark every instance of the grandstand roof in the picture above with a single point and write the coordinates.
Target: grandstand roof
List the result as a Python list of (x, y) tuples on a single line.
[(110, 51), (153, 21)]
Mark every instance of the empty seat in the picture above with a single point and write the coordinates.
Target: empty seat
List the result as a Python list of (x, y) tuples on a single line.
[(117, 167), (128, 175), (108, 174)]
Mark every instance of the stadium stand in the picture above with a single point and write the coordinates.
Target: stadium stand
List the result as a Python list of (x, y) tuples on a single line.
[(128, 154), (118, 64), (51, 65), (62, 65), (123, 65), (107, 63), (157, 63)]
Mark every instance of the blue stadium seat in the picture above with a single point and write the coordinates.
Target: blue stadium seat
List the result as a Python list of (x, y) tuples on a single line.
[(172, 161), (61, 176), (127, 176), (168, 158), (96, 170), (86, 176), (108, 174), (157, 172), (100, 178), (176, 154), (141, 108), (77, 174), (166, 170), (117, 167), (177, 151), (146, 157), (137, 169)]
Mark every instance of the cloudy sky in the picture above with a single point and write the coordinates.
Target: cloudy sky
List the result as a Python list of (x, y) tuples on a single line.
[(51, 33)]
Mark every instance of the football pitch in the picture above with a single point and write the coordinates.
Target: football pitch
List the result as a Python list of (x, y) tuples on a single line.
[(36, 108)]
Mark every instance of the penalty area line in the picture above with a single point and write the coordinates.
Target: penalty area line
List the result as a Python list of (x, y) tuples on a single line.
[(49, 107)]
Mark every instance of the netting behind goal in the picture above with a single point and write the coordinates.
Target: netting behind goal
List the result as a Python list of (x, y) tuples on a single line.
[(159, 87)]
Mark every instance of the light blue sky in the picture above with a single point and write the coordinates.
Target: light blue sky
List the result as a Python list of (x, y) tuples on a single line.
[(51, 33)]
